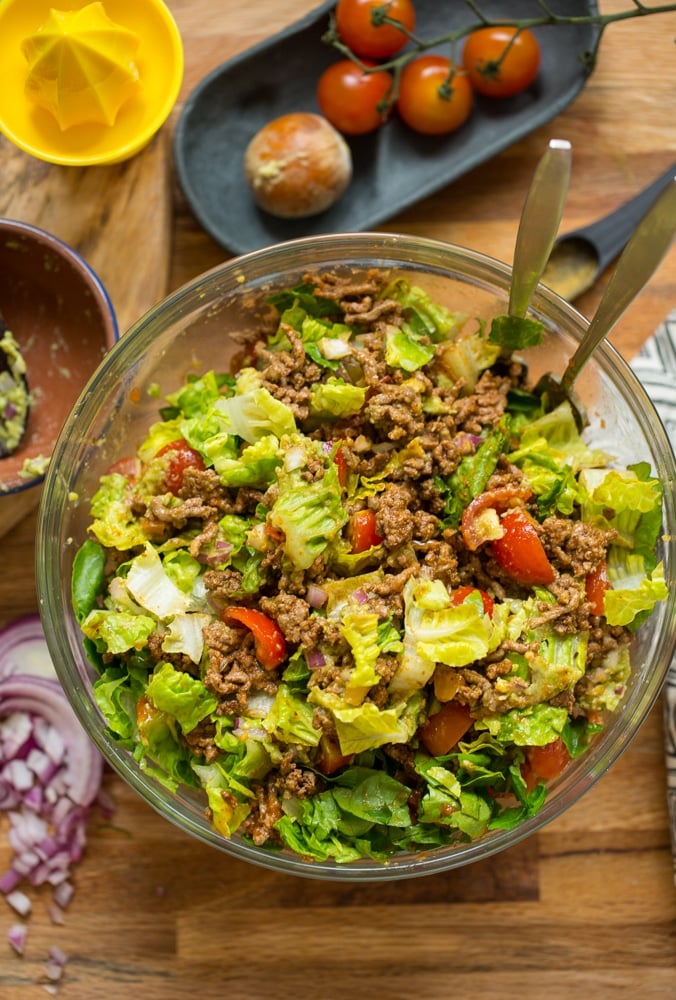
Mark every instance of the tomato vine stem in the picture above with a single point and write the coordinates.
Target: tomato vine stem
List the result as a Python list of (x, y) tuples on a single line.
[(547, 19)]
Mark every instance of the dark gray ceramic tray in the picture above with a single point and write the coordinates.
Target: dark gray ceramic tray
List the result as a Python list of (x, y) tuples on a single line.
[(394, 166)]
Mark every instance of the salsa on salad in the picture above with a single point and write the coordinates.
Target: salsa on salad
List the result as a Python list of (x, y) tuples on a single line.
[(365, 593)]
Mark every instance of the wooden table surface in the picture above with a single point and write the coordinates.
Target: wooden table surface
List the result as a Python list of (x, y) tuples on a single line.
[(587, 906)]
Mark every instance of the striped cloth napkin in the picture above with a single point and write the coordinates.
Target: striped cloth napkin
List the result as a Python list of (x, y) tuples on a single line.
[(655, 366)]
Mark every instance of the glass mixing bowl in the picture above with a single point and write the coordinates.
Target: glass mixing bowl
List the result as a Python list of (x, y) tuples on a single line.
[(193, 327)]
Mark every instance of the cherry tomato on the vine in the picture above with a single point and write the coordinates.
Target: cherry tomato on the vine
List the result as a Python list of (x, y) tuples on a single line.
[(352, 100), (434, 97), (356, 28), (501, 61)]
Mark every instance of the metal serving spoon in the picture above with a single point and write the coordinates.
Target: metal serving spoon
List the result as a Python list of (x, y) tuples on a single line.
[(578, 258), (13, 383), (539, 223), (639, 260)]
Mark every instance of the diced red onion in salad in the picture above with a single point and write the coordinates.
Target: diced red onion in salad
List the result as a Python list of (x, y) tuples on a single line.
[(316, 596), (315, 659)]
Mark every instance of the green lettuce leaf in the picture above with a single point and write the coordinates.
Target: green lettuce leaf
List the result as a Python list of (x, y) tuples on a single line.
[(360, 629), (365, 726), (228, 812), (114, 524), (632, 596), (290, 719), (118, 631), (464, 358), (152, 587), (116, 692), (196, 396), (472, 474), (181, 696), (438, 632), (336, 398), (253, 412), (534, 726), (423, 316), (556, 665), (310, 514), (605, 684), (515, 333), (185, 636), (254, 465), (404, 350)]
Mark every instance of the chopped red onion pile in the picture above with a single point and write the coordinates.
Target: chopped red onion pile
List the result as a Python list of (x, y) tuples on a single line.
[(50, 775)]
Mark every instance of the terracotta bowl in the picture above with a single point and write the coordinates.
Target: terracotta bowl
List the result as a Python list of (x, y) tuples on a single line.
[(63, 321)]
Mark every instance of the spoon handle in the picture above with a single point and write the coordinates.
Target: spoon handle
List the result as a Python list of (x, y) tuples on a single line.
[(608, 236), (539, 223), (640, 259)]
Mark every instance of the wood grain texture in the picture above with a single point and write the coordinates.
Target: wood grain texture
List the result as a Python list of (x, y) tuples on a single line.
[(117, 217), (587, 907)]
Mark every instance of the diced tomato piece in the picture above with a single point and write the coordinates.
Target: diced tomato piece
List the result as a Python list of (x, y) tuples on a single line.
[(181, 457), (441, 731), (129, 467), (274, 533), (460, 595), (341, 465), (520, 552), (331, 759), (146, 714), (473, 524), (545, 763), (361, 531), (269, 641), (596, 585)]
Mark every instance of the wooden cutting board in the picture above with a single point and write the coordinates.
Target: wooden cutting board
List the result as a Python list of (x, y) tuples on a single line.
[(117, 217)]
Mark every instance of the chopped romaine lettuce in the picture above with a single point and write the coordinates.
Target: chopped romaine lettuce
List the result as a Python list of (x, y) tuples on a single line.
[(336, 398), (464, 358), (253, 412), (535, 726), (118, 631), (438, 632), (179, 695), (309, 514), (515, 333), (404, 350), (365, 726), (290, 719), (114, 524), (152, 587)]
